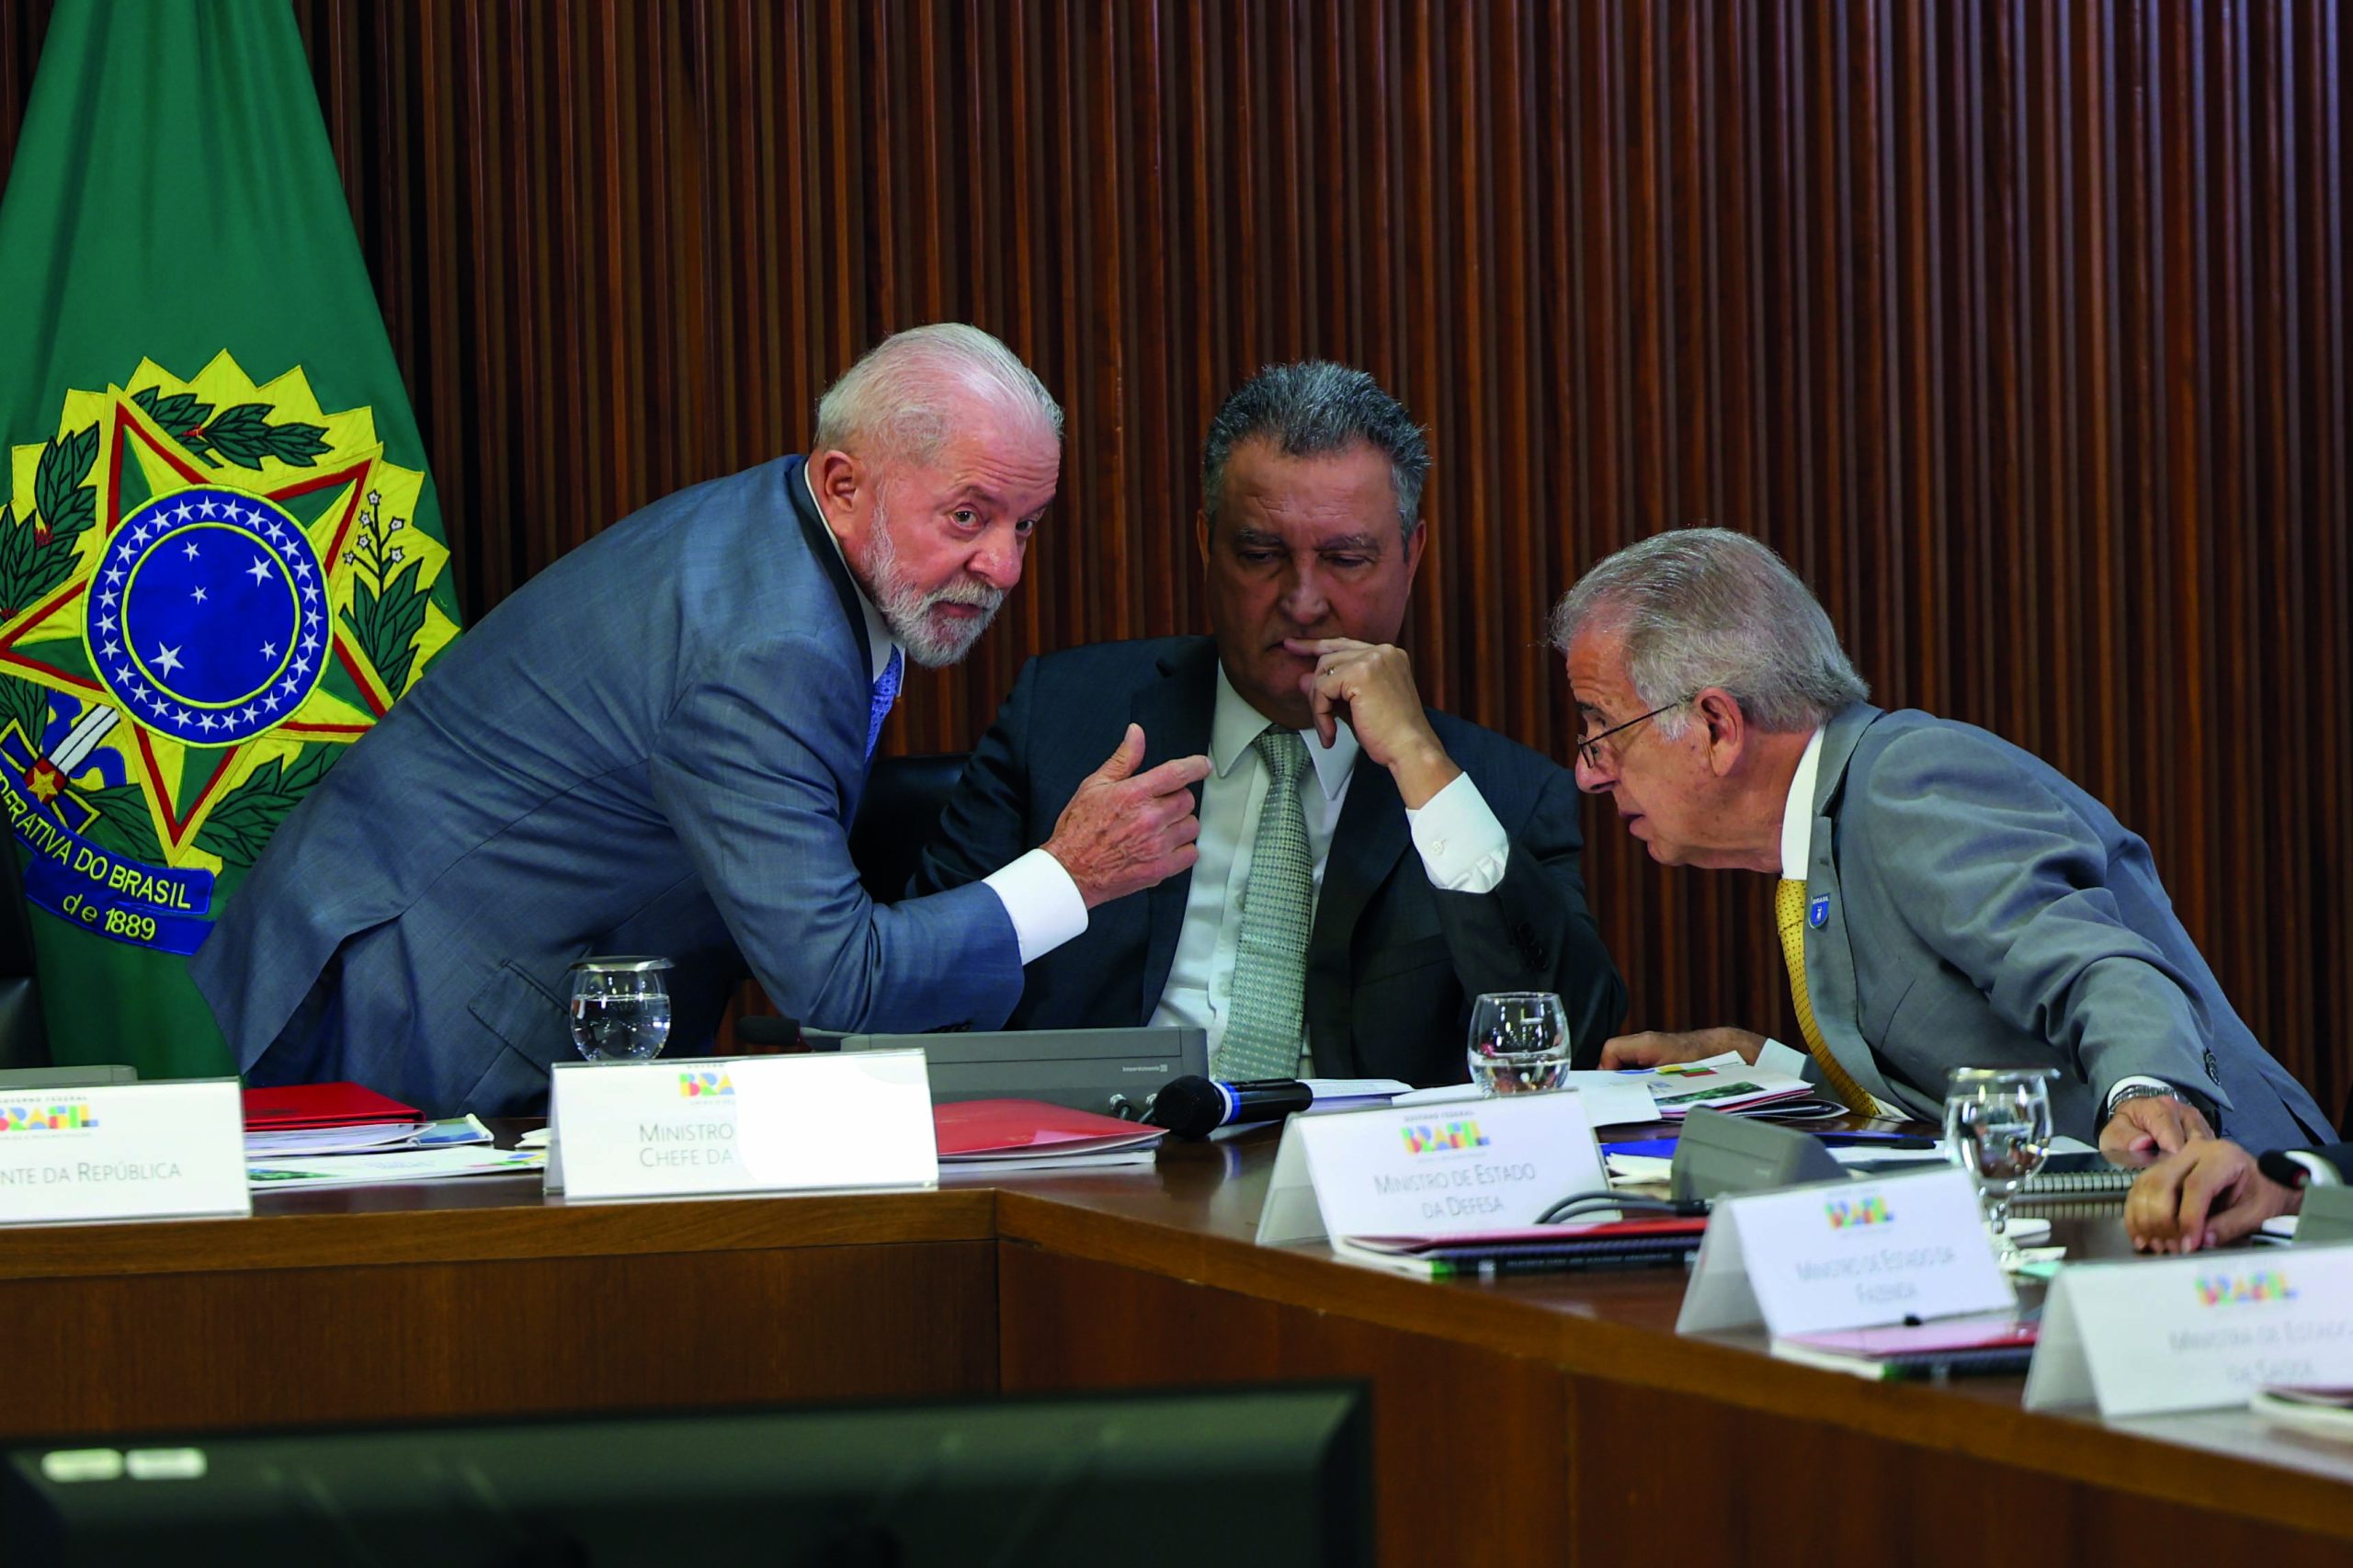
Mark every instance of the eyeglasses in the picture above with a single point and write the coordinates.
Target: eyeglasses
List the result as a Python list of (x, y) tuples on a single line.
[(1590, 747)]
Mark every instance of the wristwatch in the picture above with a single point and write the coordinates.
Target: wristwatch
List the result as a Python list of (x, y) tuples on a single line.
[(2158, 1091)]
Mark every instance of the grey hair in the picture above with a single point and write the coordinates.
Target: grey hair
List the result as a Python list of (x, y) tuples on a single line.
[(1312, 409), (1708, 606), (894, 397)]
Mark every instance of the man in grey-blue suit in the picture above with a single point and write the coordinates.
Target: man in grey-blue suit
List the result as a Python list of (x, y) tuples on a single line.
[(1947, 899), (656, 746)]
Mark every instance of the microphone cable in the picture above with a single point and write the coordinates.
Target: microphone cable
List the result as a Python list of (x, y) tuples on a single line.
[(1578, 1203)]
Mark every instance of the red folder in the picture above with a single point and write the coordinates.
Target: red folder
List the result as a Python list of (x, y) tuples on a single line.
[(970, 1128), (298, 1106)]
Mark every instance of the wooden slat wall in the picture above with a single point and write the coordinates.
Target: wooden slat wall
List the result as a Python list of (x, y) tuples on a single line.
[(2019, 326)]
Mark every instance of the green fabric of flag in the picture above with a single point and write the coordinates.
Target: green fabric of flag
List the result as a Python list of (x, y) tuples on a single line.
[(221, 557)]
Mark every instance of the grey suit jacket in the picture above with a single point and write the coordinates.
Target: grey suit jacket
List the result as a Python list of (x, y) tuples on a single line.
[(655, 745), (1393, 962), (1968, 906)]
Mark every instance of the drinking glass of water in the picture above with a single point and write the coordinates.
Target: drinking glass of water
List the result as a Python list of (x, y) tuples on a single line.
[(1520, 1042), (1997, 1128), (620, 1010)]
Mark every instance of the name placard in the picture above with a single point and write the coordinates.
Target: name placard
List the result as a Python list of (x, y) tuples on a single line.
[(1429, 1170), (741, 1124), (2149, 1336), (1845, 1255), (125, 1152)]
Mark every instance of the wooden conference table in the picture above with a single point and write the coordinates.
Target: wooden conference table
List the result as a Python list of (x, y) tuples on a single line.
[(1545, 1418)]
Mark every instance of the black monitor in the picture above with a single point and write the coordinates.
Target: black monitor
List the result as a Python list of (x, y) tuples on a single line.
[(1234, 1477)]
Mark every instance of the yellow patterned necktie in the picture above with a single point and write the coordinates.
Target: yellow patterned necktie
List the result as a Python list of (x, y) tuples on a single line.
[(1789, 914)]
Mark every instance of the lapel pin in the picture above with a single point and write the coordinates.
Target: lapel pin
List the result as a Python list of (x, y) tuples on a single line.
[(1817, 913)]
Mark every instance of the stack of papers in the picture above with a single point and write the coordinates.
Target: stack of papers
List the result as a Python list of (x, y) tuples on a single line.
[(1980, 1343), (1628, 1166), (1725, 1084), (419, 1152), (394, 1166), (1636, 1095), (296, 1140), (1353, 1094), (1618, 1244), (324, 1118), (1611, 1099), (1016, 1135)]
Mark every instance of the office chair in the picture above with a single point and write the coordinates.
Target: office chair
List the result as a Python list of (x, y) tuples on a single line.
[(23, 1041), (904, 799)]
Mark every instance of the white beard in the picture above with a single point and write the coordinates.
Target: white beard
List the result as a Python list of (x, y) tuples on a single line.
[(906, 609)]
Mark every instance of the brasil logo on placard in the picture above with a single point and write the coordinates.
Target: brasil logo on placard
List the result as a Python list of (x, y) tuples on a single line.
[(208, 589), (2238, 1289), (1427, 1140), (1846, 1214), (697, 1086), (70, 1115)]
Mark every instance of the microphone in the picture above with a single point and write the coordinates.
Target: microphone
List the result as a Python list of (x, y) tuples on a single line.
[(2290, 1174), (1193, 1107)]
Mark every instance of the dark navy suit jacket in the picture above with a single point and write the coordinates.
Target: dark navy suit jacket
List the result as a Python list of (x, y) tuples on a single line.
[(1393, 962)]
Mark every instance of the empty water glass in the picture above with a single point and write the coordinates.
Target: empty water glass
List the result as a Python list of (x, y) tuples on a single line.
[(620, 1009)]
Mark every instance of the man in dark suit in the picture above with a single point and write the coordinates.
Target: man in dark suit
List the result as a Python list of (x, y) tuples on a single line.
[(2214, 1192), (656, 746), (1366, 866)]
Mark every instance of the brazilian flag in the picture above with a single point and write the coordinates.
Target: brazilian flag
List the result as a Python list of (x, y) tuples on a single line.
[(221, 557)]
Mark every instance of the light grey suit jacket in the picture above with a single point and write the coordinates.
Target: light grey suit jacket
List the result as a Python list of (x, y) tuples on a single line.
[(653, 746), (1968, 906)]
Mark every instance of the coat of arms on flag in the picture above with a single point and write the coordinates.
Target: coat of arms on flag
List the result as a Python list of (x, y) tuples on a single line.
[(207, 589)]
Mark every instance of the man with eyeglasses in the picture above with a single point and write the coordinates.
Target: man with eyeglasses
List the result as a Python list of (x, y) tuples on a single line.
[(1946, 900)]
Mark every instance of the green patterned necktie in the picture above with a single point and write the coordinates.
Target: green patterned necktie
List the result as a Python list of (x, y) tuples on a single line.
[(1262, 1029)]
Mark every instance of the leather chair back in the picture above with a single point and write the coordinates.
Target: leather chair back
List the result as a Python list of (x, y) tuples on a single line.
[(23, 1041), (904, 799)]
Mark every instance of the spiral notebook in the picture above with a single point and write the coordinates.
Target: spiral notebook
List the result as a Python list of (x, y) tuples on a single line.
[(2077, 1175)]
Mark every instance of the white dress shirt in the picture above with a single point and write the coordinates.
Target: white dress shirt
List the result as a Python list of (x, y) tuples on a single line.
[(1797, 856), (1039, 898), (1463, 848)]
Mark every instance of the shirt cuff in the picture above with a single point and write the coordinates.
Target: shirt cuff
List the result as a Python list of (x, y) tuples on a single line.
[(2317, 1170), (1044, 903), (1463, 847)]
